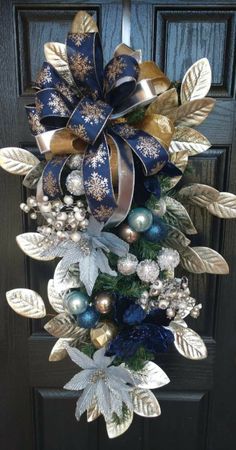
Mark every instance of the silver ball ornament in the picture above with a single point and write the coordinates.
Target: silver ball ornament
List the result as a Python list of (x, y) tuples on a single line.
[(76, 302), (127, 264), (75, 162), (148, 271), (140, 219)]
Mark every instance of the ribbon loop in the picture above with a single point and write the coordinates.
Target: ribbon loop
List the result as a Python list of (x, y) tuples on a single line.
[(120, 77), (89, 118), (52, 107), (85, 58), (148, 149), (51, 178)]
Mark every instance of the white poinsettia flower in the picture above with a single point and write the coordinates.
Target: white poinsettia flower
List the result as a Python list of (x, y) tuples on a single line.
[(109, 386)]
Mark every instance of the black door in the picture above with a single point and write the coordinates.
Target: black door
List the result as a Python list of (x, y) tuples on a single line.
[(198, 407)]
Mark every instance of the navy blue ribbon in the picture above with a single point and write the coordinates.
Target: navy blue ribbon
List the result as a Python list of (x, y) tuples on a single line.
[(87, 113)]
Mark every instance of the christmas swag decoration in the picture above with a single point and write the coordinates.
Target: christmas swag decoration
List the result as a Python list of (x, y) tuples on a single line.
[(114, 143)]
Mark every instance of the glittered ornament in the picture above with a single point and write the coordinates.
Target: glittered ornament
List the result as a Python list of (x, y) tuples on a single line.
[(128, 234), (89, 318), (140, 219), (75, 162), (103, 334), (127, 264), (168, 259), (74, 183), (103, 302), (148, 271), (157, 232), (156, 288), (76, 302)]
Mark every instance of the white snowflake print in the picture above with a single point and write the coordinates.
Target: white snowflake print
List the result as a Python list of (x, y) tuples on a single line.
[(149, 147), (34, 123), (126, 131), (92, 113), (97, 158), (103, 213), (44, 76), (57, 105), (97, 186)]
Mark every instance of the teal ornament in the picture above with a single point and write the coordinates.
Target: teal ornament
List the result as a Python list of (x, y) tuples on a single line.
[(140, 219), (76, 302), (89, 318), (157, 232)]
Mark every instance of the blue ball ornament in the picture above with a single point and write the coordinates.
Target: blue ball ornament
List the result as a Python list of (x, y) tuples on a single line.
[(89, 318), (76, 302), (140, 219), (157, 232)]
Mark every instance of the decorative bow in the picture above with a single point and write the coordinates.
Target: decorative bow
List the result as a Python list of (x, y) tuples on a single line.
[(87, 117)]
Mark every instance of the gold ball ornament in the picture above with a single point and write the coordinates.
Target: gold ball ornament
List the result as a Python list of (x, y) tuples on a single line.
[(127, 234), (103, 302), (103, 334)]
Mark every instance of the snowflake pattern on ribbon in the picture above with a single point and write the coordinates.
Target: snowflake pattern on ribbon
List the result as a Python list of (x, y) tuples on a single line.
[(43, 77), (103, 212), (127, 131), (148, 146), (96, 158), (34, 123), (81, 66), (93, 113), (64, 90), (57, 105), (97, 186), (115, 68)]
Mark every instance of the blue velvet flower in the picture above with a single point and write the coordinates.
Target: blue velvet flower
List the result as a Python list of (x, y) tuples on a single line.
[(134, 315), (153, 338)]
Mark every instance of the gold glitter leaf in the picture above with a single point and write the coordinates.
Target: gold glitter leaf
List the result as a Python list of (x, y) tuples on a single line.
[(83, 23), (64, 326), (55, 54), (164, 103), (190, 140), (213, 261), (224, 206), (199, 194), (197, 81), (177, 216), (59, 351), (188, 343), (145, 403), (191, 261), (193, 112)]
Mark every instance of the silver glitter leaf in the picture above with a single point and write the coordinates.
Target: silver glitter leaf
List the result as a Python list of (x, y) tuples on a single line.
[(31, 179), (196, 82), (26, 302), (177, 216), (115, 429), (55, 299), (88, 271), (64, 326), (150, 377), (199, 194), (213, 261), (16, 160), (65, 278), (192, 113), (33, 245), (145, 403), (59, 351), (191, 261), (188, 343), (224, 206)]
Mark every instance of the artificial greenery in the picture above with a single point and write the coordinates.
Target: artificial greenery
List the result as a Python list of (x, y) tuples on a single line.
[(135, 116), (88, 349), (137, 361), (129, 286), (125, 415), (144, 249)]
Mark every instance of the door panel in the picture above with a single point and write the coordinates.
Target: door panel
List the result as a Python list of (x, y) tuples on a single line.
[(198, 411)]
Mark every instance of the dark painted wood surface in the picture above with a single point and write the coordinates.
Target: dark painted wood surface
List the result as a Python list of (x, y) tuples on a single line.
[(198, 406)]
